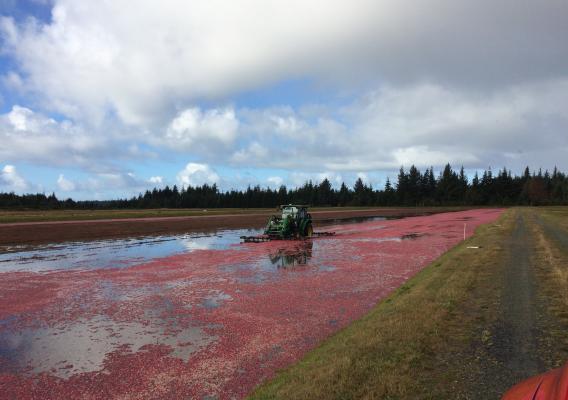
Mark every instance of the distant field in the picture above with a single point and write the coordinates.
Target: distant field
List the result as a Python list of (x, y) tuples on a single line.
[(472, 324), (7, 216), (10, 216)]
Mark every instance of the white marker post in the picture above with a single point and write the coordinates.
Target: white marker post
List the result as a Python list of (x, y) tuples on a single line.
[(464, 230)]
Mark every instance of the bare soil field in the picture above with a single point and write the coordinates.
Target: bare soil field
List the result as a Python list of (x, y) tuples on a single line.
[(39, 228)]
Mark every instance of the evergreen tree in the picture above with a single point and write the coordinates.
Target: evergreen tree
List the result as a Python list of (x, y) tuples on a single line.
[(344, 197), (324, 193), (359, 195), (402, 187), (412, 188)]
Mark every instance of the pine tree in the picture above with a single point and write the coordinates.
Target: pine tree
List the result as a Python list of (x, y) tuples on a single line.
[(413, 191)]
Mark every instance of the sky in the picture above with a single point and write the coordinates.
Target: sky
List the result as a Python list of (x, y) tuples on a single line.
[(100, 99)]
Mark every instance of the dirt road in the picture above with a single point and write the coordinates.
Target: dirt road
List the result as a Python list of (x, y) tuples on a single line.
[(513, 353), (517, 338), (519, 332)]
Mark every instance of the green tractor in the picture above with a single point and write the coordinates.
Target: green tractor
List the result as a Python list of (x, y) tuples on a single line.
[(295, 222)]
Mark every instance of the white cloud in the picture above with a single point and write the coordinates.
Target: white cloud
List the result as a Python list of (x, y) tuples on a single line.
[(65, 184), (299, 178), (425, 156), (10, 180), (195, 128), (275, 181), (106, 185), (195, 174), (23, 119), (282, 121), (157, 180), (254, 153), (94, 57), (153, 57), (26, 135), (423, 124), (12, 81), (115, 180)]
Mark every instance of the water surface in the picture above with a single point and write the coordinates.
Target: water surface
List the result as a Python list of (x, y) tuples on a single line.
[(114, 253), (125, 252)]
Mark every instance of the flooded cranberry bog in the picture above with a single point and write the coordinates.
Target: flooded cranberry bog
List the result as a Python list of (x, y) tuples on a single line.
[(197, 316)]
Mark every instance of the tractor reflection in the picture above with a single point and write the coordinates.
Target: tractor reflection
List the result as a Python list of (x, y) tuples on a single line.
[(288, 257)]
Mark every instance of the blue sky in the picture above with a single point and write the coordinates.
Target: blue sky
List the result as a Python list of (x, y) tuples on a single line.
[(100, 100)]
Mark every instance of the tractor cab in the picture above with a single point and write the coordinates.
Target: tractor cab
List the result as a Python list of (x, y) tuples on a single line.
[(296, 212)]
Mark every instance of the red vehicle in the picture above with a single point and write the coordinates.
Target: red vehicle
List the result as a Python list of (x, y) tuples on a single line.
[(552, 385)]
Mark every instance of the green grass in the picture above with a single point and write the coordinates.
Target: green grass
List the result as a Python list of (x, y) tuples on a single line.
[(551, 266), (408, 346)]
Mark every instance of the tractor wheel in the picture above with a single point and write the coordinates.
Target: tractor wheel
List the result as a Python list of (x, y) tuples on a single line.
[(309, 231)]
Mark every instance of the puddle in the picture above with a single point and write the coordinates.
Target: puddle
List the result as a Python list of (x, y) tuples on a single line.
[(114, 253), (82, 346)]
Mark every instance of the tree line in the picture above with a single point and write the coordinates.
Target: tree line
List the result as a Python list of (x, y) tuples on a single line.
[(412, 188)]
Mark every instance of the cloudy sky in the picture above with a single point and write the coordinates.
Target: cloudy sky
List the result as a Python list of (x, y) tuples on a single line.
[(104, 98)]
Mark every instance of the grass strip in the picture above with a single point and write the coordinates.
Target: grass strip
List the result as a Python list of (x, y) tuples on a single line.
[(550, 228)]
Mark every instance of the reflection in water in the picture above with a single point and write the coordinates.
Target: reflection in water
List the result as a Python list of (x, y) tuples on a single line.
[(300, 256), (82, 346), (289, 257)]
